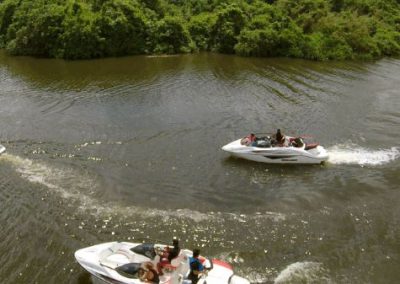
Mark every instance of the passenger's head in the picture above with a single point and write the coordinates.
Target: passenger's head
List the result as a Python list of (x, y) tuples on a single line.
[(148, 265), (278, 131), (175, 242), (141, 272), (196, 252)]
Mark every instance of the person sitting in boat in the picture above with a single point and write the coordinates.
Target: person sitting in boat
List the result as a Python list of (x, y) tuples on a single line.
[(148, 274), (175, 250), (278, 139), (297, 142), (248, 140), (167, 255), (196, 267)]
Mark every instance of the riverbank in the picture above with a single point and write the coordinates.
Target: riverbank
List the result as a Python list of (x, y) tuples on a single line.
[(317, 30)]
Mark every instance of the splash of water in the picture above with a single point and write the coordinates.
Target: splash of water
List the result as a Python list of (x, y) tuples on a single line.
[(303, 272), (356, 155)]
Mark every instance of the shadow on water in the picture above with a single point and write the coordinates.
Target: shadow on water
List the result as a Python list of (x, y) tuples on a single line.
[(85, 278), (102, 73)]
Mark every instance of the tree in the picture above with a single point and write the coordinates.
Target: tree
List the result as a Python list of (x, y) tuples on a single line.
[(199, 29), (36, 29), (313, 29), (171, 36), (229, 22), (7, 10), (123, 28), (80, 38)]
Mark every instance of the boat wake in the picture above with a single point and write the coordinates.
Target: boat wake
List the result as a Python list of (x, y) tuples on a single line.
[(356, 155), (79, 187), (303, 272), (69, 184)]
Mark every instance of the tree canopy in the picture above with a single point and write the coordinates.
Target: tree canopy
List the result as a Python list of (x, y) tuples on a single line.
[(311, 29)]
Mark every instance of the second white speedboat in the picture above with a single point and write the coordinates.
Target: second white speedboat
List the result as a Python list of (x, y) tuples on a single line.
[(121, 262), (264, 150)]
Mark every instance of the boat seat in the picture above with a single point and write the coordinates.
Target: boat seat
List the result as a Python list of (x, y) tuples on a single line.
[(106, 253), (115, 256), (311, 146)]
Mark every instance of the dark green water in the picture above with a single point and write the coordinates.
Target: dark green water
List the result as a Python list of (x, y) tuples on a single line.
[(129, 149)]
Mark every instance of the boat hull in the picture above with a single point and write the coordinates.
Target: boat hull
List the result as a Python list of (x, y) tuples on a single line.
[(277, 155)]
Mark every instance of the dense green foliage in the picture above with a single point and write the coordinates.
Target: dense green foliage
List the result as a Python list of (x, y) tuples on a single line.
[(312, 29)]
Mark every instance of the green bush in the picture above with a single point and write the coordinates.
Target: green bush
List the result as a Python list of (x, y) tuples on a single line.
[(123, 28), (36, 29), (312, 29), (224, 32), (171, 36), (7, 10), (199, 29), (80, 38)]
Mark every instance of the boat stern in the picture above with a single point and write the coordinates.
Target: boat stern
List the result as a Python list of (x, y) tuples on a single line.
[(222, 272), (322, 154)]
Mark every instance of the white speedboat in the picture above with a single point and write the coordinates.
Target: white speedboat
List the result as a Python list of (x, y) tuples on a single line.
[(292, 151), (2, 149), (123, 262)]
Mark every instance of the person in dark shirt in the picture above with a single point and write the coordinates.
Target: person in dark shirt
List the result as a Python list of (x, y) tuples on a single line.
[(279, 137), (174, 251), (196, 267), (167, 255)]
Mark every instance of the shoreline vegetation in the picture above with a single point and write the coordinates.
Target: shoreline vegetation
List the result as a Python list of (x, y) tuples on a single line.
[(309, 29)]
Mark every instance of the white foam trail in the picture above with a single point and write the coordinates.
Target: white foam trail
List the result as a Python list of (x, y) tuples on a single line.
[(353, 154), (53, 178), (303, 272), (75, 186)]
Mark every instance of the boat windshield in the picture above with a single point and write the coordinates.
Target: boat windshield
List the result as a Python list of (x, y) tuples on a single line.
[(129, 270), (145, 249)]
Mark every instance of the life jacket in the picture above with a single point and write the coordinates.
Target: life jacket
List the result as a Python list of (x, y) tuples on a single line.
[(194, 260)]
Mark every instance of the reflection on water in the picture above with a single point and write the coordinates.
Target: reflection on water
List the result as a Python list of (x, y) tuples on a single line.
[(129, 149)]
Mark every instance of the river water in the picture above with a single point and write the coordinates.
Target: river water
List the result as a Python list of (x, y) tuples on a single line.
[(130, 149)]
